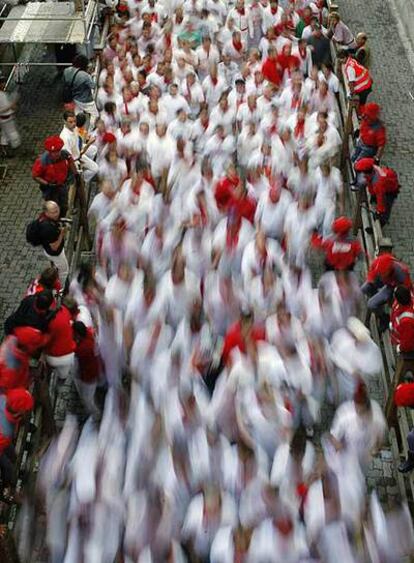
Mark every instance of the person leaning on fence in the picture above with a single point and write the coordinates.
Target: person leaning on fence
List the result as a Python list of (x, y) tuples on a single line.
[(402, 321), (384, 274), (33, 311), (363, 52), (372, 134), (13, 406), (53, 171), (50, 235), (358, 77), (383, 186), (404, 397), (81, 84)]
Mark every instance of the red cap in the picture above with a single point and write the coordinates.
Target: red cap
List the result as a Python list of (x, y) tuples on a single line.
[(342, 225), (19, 400), (384, 263), (108, 137), (404, 395), (54, 143), (371, 110), (364, 165), (31, 338)]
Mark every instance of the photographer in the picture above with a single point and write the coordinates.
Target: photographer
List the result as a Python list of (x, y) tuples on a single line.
[(51, 236), (53, 171)]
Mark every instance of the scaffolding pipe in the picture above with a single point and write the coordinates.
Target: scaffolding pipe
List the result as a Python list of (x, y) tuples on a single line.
[(41, 19), (35, 64)]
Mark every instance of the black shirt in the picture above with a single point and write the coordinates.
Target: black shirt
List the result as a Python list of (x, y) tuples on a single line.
[(27, 315), (49, 232), (321, 51)]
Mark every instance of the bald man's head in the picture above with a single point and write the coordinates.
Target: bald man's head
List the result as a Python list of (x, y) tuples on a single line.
[(51, 210)]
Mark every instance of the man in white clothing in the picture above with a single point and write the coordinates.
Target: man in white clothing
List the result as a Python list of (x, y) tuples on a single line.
[(71, 143)]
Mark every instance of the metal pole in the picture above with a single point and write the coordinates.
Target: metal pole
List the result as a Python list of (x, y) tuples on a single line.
[(35, 64), (40, 19), (85, 27)]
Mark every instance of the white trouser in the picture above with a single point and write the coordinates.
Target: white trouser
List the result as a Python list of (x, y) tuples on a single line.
[(89, 167), (62, 365), (61, 263), (87, 107), (9, 133)]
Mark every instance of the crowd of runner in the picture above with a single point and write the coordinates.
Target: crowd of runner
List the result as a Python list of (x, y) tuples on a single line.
[(214, 142)]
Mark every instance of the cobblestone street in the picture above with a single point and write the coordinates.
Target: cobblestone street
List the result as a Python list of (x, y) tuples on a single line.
[(38, 116)]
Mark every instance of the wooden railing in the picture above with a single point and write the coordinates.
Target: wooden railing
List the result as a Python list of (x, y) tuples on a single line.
[(373, 241)]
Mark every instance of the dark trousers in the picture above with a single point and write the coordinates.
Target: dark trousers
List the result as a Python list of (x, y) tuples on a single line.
[(363, 96), (7, 467), (58, 194), (389, 201)]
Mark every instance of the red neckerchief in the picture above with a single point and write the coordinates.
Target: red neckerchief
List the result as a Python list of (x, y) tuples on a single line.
[(168, 40), (154, 17), (241, 11), (214, 81), (238, 45), (295, 101), (273, 10), (299, 132), (205, 125)]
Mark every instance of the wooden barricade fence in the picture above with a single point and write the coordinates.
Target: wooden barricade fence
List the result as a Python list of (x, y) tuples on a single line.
[(374, 242)]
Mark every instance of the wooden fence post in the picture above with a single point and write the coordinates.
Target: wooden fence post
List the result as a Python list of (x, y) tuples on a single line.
[(8, 551), (83, 209)]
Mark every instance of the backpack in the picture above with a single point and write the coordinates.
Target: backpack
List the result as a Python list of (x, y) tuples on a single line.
[(67, 94), (33, 232)]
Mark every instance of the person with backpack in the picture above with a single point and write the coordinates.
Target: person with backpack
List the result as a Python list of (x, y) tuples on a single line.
[(53, 170), (78, 88), (49, 232), (383, 186)]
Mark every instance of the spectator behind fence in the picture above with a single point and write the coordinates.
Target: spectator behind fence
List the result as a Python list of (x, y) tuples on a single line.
[(402, 320), (383, 186), (384, 274), (53, 171), (35, 311), (72, 144), (372, 134), (13, 406), (358, 77), (82, 85), (48, 231)]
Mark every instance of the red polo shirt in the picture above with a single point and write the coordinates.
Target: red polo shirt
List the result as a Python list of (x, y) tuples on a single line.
[(53, 172), (61, 334)]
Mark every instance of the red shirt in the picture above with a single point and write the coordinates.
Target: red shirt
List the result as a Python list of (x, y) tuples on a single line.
[(244, 207), (340, 253), (234, 339), (61, 334), (50, 171), (383, 181), (88, 359), (372, 134), (14, 365), (399, 275), (402, 326), (271, 71), (224, 191)]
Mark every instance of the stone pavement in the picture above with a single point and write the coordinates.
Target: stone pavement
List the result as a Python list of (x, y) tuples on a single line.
[(393, 83), (39, 115)]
